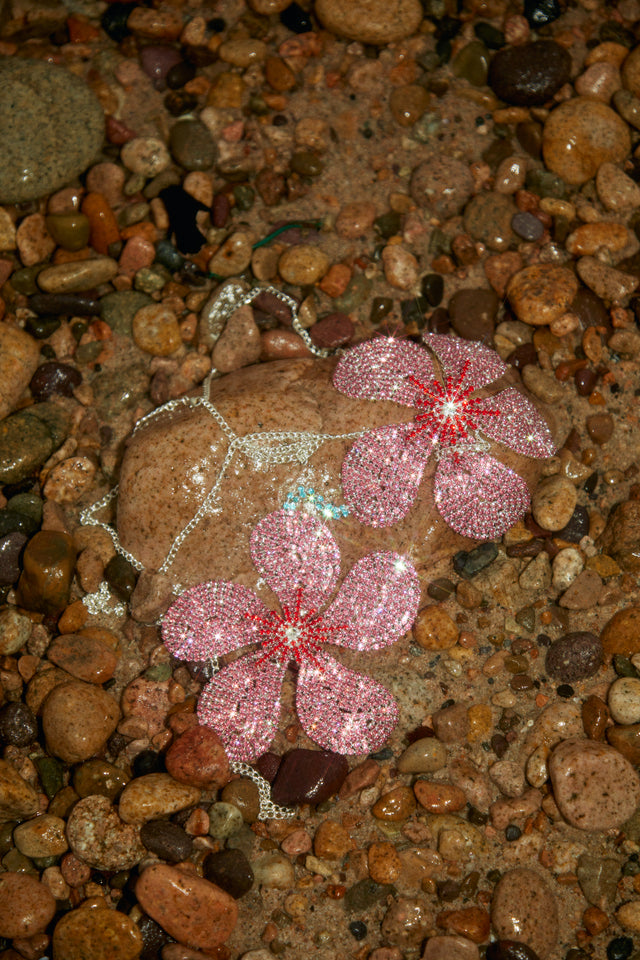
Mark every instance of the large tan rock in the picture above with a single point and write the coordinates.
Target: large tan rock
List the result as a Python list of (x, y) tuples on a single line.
[(171, 464)]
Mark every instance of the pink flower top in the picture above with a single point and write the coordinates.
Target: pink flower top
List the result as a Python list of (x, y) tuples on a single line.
[(299, 560), (476, 494)]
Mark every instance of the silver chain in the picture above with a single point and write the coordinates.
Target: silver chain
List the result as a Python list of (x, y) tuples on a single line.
[(268, 809)]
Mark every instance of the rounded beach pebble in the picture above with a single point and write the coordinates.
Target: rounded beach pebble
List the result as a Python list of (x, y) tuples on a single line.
[(594, 786), (51, 126)]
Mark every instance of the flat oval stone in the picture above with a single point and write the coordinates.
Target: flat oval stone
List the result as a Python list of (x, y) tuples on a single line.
[(308, 776), (624, 700), (41, 837), (77, 720), (524, 908), (192, 145), (97, 777), (99, 933), (189, 908), (77, 275), (573, 657), (303, 264), (44, 106), (47, 568), (26, 441), (487, 217), (26, 905), (423, 756), (452, 948), (98, 836), (530, 73), (377, 22), (553, 502), (155, 795), (197, 757), (230, 870), (594, 786), (86, 658), (580, 135)]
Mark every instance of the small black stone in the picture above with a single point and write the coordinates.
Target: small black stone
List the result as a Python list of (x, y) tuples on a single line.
[(179, 74), (182, 209), (358, 929), (540, 12), (230, 870), (620, 948), (296, 19), (469, 563), (492, 38), (54, 380), (18, 725), (148, 762), (512, 832), (114, 20), (432, 286), (565, 691), (578, 526)]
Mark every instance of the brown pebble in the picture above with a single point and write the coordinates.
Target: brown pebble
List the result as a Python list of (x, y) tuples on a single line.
[(621, 635), (626, 740), (364, 775), (99, 933), (331, 841), (198, 758), (396, 805), (437, 797), (244, 795), (472, 922), (524, 908), (600, 427), (86, 658), (282, 345), (434, 629), (26, 905), (541, 293), (194, 911), (77, 720), (580, 135), (595, 714), (384, 863), (451, 724)]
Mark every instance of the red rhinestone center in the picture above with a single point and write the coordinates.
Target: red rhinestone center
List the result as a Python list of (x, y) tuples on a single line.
[(449, 413)]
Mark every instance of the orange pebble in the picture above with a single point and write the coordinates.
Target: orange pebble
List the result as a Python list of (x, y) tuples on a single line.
[(336, 280), (145, 230), (81, 30), (103, 226), (71, 256)]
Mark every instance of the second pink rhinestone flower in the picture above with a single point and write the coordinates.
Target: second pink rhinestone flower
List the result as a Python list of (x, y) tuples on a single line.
[(477, 495)]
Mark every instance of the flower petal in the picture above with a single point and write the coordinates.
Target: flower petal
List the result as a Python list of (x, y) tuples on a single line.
[(342, 710), (296, 552), (210, 620), (519, 425), (379, 369), (242, 704), (478, 496), (376, 605), (382, 472), (484, 365)]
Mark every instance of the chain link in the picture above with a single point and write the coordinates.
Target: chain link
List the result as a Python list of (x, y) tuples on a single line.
[(268, 809)]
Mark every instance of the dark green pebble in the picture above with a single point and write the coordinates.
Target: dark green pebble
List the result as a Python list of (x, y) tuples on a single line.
[(51, 773), (468, 564), (24, 279), (180, 74), (545, 184), (441, 589), (12, 522), (245, 197), (42, 327), (623, 666), (489, 35), (620, 948), (388, 224), (364, 894)]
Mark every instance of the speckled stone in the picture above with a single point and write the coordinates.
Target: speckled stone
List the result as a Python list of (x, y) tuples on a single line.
[(99, 933), (98, 836), (541, 293), (553, 502), (41, 837), (580, 135), (26, 905), (442, 184), (524, 908), (607, 282), (594, 786), (197, 757), (621, 635), (86, 658), (44, 106), (574, 657), (423, 756), (621, 536), (377, 22), (19, 355), (487, 217), (189, 908)]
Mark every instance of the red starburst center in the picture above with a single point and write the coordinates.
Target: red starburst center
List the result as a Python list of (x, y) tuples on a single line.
[(294, 635), (448, 412)]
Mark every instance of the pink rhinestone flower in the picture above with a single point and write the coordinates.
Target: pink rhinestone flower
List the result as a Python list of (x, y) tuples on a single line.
[(299, 560), (476, 495)]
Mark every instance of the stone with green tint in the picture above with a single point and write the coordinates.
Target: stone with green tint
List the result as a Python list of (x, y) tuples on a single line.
[(546, 184), (306, 164), (472, 63), (88, 352), (26, 441), (50, 772), (118, 309), (151, 279), (364, 894), (97, 777), (388, 224), (623, 666), (24, 280), (159, 671), (192, 146), (69, 230), (358, 290), (42, 327), (244, 196)]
